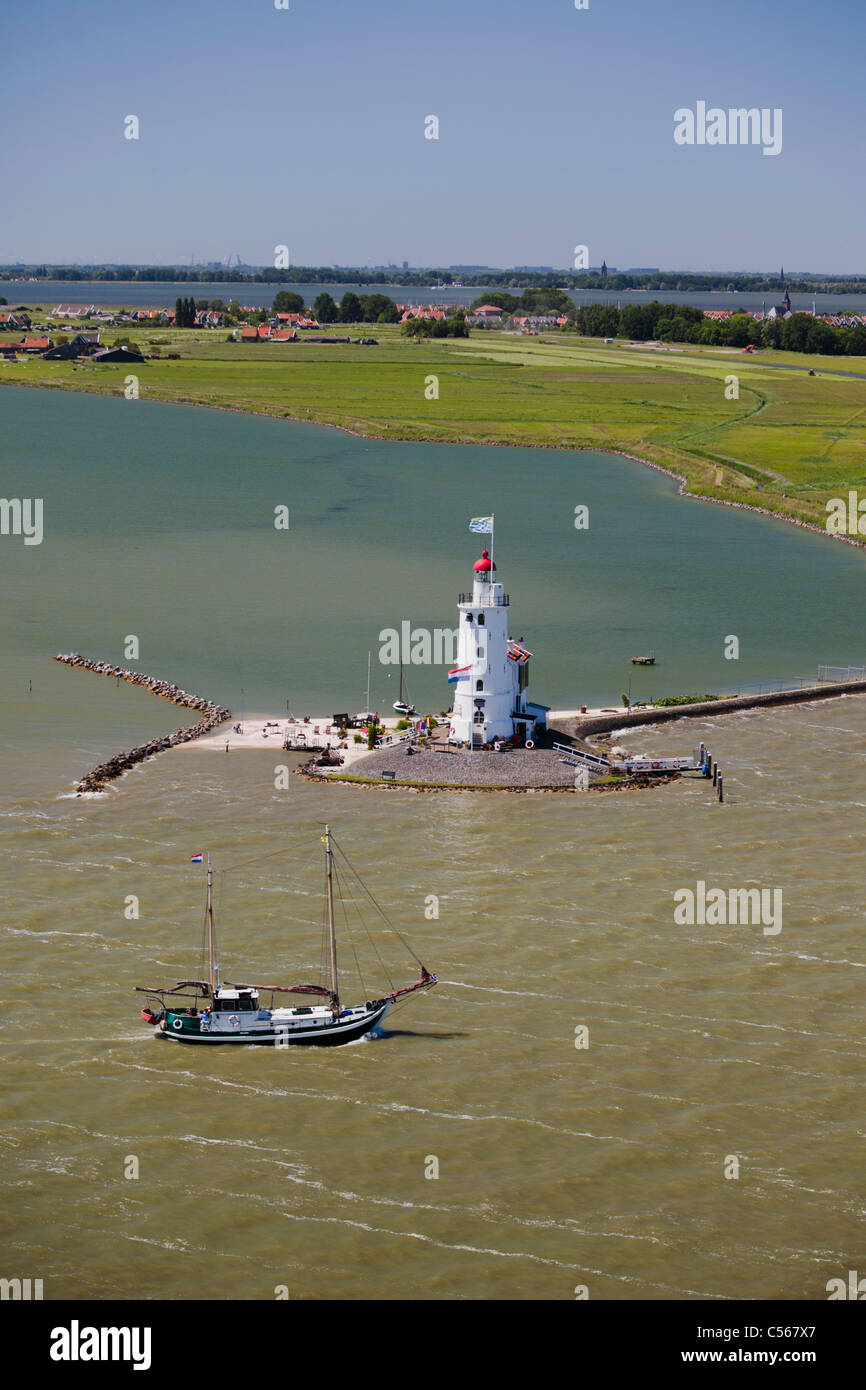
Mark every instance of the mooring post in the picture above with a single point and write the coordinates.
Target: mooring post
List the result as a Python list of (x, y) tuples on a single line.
[(715, 773), (720, 785), (708, 765)]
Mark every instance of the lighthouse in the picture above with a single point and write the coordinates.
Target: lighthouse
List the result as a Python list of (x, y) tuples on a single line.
[(492, 671)]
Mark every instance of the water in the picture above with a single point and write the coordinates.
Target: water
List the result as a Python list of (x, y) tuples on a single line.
[(557, 1166), (49, 293)]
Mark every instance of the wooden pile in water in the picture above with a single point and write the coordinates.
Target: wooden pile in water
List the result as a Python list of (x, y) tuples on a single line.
[(211, 716)]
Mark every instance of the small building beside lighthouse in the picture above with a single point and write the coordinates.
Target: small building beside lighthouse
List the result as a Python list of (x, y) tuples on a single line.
[(492, 673)]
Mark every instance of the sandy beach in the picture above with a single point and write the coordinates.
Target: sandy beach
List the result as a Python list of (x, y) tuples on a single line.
[(264, 731)]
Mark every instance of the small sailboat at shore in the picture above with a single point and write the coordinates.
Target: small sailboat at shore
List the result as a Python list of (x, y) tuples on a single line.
[(215, 1012), (400, 705)]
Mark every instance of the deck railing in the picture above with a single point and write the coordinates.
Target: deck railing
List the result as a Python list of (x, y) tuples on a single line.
[(502, 602)]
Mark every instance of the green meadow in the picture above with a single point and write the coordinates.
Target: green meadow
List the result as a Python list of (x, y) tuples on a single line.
[(780, 439)]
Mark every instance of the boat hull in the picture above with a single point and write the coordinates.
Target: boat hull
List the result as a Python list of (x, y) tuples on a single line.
[(344, 1030)]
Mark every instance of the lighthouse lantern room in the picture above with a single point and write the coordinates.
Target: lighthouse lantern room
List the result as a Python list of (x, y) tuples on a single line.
[(492, 671)]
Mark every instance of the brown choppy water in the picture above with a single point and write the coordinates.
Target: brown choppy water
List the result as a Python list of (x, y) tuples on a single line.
[(557, 1166)]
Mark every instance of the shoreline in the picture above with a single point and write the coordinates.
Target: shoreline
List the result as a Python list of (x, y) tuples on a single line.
[(474, 443)]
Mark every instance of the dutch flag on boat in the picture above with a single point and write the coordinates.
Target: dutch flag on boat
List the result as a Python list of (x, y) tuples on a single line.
[(196, 859)]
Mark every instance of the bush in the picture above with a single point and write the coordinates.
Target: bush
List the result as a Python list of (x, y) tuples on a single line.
[(684, 699), (358, 738), (402, 724)]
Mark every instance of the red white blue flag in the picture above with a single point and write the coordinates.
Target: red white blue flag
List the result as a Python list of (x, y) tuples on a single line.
[(196, 859)]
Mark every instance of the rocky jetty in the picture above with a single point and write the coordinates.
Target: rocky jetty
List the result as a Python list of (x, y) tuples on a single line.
[(211, 716)]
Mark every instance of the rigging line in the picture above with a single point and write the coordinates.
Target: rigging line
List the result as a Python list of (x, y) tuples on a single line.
[(382, 966), (348, 929), (257, 859), (372, 940), (376, 905), (323, 961)]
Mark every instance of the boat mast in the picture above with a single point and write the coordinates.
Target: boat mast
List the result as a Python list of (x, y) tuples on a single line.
[(332, 938), (367, 707), (211, 946)]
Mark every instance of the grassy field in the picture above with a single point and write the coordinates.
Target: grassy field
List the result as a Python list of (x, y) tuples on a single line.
[(787, 444)]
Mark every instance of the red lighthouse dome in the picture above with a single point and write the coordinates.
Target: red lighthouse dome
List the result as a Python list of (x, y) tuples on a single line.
[(484, 565)]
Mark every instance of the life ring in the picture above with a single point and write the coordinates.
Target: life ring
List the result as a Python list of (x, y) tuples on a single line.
[(234, 1021), (530, 743), (655, 766), (177, 1024)]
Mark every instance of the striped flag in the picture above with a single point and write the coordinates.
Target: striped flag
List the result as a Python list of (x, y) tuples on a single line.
[(482, 523), (196, 859), (458, 671)]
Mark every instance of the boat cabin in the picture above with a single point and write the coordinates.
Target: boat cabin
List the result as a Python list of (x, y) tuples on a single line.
[(236, 999)]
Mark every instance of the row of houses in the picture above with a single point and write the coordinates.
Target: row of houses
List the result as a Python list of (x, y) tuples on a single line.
[(264, 334), (205, 318), (82, 345), (282, 328), (14, 321), (434, 312), (784, 311)]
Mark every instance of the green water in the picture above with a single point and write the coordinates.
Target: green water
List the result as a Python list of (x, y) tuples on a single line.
[(159, 523), (306, 1168)]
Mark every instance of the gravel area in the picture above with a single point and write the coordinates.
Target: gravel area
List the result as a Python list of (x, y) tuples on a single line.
[(540, 767)]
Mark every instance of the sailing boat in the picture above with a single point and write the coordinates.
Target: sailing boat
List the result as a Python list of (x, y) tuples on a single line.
[(231, 1013), (400, 705)]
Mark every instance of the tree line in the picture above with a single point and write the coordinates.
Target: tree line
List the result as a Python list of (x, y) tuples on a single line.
[(680, 323), (352, 308), (668, 281)]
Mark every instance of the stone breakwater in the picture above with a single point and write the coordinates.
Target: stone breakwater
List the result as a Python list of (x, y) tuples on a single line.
[(663, 714), (211, 716)]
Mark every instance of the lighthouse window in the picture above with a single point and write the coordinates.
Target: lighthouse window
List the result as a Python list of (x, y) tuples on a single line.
[(469, 617), (479, 685), (479, 652), (480, 619)]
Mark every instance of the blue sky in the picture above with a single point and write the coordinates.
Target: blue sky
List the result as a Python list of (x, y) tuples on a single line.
[(305, 127)]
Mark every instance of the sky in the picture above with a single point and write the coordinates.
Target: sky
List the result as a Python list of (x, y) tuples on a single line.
[(305, 127)]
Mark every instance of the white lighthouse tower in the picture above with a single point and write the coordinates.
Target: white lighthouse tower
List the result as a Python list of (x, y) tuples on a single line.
[(492, 671)]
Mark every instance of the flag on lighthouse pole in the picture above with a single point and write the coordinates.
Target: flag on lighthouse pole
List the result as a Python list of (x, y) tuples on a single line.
[(482, 523), (196, 859)]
